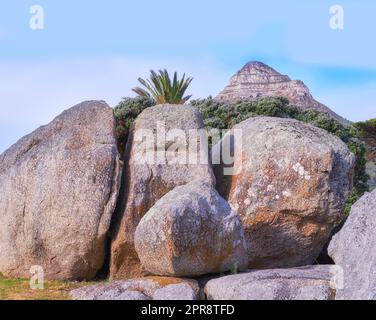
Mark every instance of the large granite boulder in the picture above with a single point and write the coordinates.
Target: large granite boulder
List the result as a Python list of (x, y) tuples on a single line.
[(58, 192), (148, 176), (290, 183), (354, 250), (304, 283), (257, 79), (191, 231), (148, 288)]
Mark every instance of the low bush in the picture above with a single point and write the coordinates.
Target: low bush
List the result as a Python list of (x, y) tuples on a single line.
[(367, 128), (125, 113)]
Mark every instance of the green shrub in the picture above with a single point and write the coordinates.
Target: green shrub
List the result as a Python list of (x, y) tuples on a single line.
[(367, 131), (125, 113), (367, 128), (224, 116)]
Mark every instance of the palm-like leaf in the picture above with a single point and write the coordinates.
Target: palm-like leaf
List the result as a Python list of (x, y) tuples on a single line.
[(161, 89)]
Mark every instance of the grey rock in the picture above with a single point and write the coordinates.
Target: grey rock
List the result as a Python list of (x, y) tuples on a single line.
[(181, 291), (122, 295), (58, 191), (256, 80), (304, 283), (191, 231), (354, 250), (137, 289), (157, 288), (147, 182), (290, 184)]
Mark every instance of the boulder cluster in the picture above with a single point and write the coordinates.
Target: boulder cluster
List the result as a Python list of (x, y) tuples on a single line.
[(169, 224)]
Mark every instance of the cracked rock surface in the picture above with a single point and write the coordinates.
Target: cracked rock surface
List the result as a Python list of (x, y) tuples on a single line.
[(59, 187), (289, 185), (353, 248), (304, 283), (191, 231), (149, 288)]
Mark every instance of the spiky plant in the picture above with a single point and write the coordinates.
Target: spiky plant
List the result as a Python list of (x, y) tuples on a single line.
[(161, 89)]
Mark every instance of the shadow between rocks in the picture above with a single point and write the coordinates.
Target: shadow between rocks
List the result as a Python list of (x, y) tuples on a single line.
[(104, 272)]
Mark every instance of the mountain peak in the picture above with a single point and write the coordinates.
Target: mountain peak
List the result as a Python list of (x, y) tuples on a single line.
[(255, 72), (256, 79), (258, 66)]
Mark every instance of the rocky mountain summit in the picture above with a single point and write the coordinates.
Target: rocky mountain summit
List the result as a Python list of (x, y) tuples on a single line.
[(257, 79)]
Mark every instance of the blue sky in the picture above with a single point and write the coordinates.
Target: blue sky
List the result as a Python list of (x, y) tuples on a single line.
[(97, 49)]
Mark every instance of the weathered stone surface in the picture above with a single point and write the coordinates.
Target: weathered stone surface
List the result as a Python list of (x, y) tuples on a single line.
[(304, 283), (369, 137), (58, 191), (292, 183), (256, 80), (189, 232), (156, 288), (145, 183), (181, 291), (354, 250)]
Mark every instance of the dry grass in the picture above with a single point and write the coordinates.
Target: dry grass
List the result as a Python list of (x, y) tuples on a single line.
[(19, 289)]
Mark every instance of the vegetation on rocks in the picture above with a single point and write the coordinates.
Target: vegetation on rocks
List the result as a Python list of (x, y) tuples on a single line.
[(126, 113), (367, 131), (159, 89), (162, 89), (222, 115), (366, 127)]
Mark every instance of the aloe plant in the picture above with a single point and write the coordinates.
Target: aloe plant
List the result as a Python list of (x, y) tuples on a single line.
[(161, 89)]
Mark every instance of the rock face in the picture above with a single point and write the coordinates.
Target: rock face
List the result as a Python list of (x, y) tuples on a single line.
[(290, 184), (151, 288), (369, 137), (305, 283), (180, 291), (148, 181), (256, 80), (354, 249), (58, 191), (191, 231)]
